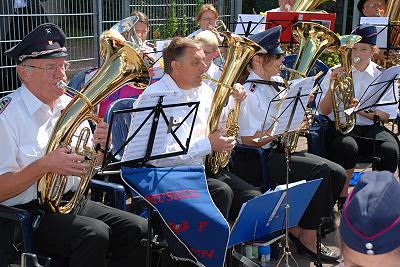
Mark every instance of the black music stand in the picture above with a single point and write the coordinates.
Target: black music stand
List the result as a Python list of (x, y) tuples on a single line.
[(249, 25), (154, 117), (287, 110), (378, 93)]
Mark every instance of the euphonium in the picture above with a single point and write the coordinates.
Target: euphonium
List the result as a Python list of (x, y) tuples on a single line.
[(393, 12), (342, 88), (240, 51), (313, 39), (122, 64)]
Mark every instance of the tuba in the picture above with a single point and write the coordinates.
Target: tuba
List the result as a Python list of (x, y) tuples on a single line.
[(240, 51), (342, 87), (313, 39), (122, 64), (393, 12), (307, 5)]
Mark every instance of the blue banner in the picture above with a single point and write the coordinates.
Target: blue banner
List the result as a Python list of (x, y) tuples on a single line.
[(196, 230)]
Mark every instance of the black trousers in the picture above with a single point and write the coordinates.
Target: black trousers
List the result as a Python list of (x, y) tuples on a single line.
[(95, 235), (344, 149), (229, 192), (303, 166)]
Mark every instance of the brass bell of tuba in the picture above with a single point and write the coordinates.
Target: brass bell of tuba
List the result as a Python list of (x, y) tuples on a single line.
[(122, 64), (307, 5), (393, 12), (240, 51), (313, 39), (342, 87)]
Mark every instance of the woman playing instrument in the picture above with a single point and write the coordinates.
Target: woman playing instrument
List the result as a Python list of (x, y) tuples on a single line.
[(370, 225), (206, 19), (344, 149), (142, 26), (264, 67)]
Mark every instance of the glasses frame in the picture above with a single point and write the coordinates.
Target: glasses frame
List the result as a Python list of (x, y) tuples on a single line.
[(48, 70)]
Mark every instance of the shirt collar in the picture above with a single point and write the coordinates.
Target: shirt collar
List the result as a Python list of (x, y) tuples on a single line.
[(33, 103), (171, 85), (254, 76), (369, 70)]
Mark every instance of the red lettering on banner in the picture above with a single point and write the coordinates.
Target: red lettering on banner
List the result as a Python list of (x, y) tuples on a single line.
[(178, 228), (202, 253), (202, 225), (173, 196)]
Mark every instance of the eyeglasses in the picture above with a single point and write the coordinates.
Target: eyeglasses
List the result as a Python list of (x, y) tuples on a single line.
[(51, 69)]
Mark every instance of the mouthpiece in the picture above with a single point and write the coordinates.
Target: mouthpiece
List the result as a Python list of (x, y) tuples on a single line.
[(61, 84), (356, 60), (288, 7)]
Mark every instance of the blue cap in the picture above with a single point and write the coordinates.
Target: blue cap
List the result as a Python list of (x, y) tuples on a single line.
[(368, 33), (45, 41), (269, 40), (370, 223)]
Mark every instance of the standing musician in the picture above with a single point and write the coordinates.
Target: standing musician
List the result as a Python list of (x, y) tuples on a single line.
[(92, 234), (265, 67), (184, 64), (142, 26), (344, 149)]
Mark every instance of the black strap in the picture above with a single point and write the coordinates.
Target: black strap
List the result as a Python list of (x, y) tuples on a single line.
[(273, 84)]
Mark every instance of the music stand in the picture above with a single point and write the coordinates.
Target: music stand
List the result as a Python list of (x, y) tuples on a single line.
[(249, 24), (286, 111), (379, 93), (151, 125)]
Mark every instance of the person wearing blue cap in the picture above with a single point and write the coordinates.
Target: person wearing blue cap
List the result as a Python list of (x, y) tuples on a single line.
[(370, 223), (92, 234), (344, 149), (262, 85)]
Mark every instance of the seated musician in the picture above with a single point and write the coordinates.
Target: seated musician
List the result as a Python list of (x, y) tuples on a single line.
[(184, 63), (209, 44), (370, 225), (206, 19), (265, 66), (371, 8), (344, 149), (284, 6), (92, 234)]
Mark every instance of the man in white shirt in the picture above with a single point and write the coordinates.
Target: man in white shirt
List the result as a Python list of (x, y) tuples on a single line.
[(184, 64), (92, 234)]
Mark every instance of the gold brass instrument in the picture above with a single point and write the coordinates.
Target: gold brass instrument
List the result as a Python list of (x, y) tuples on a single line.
[(313, 39), (342, 87), (393, 12), (122, 64), (240, 51), (307, 5)]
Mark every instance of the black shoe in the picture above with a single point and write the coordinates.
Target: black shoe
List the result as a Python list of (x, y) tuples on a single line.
[(326, 253)]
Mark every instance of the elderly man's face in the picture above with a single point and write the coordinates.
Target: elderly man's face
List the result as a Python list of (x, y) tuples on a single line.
[(374, 8), (43, 75), (286, 5), (188, 69)]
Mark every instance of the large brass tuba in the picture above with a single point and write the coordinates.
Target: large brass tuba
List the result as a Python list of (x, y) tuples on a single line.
[(122, 64), (313, 39), (307, 5), (393, 12), (342, 87), (240, 51)]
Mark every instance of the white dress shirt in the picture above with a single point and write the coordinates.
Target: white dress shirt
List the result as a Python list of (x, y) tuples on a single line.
[(254, 108), (193, 34), (199, 144), (25, 128), (361, 81)]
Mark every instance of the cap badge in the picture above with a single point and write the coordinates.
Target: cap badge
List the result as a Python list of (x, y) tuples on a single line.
[(48, 30), (50, 42)]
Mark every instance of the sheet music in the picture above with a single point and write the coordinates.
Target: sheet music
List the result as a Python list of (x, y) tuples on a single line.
[(136, 148), (375, 92), (257, 25), (285, 106)]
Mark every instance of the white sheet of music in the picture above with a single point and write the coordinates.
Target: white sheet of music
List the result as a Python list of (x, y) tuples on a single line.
[(304, 86), (257, 24), (136, 148), (374, 91)]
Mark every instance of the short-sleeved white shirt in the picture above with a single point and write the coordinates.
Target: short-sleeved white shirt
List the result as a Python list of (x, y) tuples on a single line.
[(254, 108), (361, 81), (25, 128)]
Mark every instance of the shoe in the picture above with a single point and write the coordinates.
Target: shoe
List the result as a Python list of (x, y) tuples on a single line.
[(326, 253)]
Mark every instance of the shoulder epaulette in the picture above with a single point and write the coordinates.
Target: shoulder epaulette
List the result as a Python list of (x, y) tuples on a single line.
[(4, 103)]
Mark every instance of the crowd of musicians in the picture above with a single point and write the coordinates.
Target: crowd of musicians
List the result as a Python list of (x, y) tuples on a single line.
[(94, 234)]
